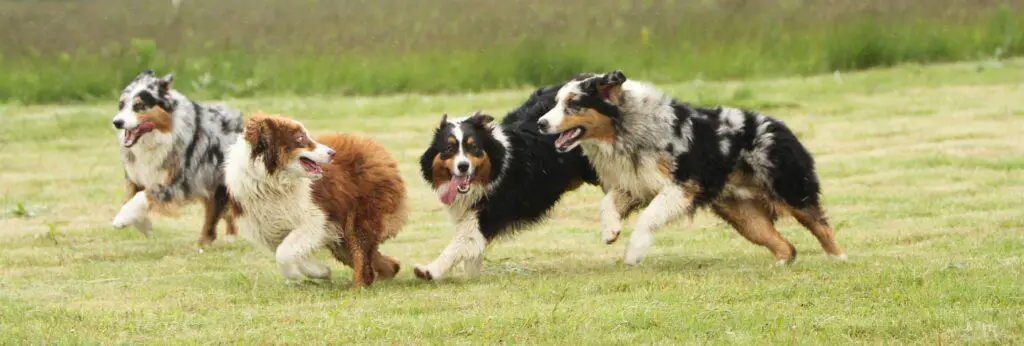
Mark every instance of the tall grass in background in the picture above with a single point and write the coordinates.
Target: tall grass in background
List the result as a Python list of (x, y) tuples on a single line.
[(65, 51)]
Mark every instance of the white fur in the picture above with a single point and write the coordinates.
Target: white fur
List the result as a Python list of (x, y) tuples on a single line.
[(611, 220), (278, 210), (731, 123), (466, 247), (135, 213), (670, 203)]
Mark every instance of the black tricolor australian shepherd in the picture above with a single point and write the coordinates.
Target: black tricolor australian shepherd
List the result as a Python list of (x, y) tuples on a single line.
[(496, 178), (654, 152)]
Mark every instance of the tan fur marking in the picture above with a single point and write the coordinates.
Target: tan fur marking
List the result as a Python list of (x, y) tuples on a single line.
[(481, 168), (442, 172), (814, 220), (161, 120), (664, 167), (753, 220), (130, 190), (597, 126), (210, 218)]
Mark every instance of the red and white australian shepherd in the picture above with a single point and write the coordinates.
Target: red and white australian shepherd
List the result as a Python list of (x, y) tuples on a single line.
[(294, 195)]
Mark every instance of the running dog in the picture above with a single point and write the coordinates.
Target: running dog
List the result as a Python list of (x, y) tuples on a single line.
[(651, 150), (294, 195), (496, 179), (172, 150)]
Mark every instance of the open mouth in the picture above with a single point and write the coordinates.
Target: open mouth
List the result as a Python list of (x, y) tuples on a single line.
[(132, 136), (311, 167), (458, 185), (569, 139)]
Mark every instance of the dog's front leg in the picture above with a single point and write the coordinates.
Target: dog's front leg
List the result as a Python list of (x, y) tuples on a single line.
[(293, 253), (669, 204), (468, 245), (615, 206), (135, 212)]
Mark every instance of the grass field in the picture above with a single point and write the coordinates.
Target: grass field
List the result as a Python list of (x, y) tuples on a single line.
[(921, 166)]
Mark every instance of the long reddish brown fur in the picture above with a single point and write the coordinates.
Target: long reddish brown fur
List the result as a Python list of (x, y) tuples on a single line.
[(363, 190)]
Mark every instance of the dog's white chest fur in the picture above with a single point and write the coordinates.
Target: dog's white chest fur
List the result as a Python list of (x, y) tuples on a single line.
[(642, 179), (150, 153), (272, 206)]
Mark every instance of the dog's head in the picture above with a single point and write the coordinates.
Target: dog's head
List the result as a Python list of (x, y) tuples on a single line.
[(145, 105), (586, 108), (461, 155), (284, 147)]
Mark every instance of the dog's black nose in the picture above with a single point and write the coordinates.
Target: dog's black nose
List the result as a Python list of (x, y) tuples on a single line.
[(118, 123), (542, 124), (463, 167), (330, 153)]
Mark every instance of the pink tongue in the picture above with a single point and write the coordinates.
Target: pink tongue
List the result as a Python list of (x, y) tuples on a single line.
[(450, 191)]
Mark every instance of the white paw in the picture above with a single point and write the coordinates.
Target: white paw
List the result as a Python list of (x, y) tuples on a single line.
[(290, 271), (634, 257), (145, 226), (636, 251), (840, 257), (315, 270), (473, 266), (609, 236), (133, 213)]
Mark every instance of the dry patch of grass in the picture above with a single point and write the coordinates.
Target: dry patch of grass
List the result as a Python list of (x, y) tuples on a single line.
[(922, 170)]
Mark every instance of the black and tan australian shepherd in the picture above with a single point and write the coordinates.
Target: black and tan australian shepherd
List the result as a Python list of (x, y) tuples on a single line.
[(293, 194), (496, 178), (655, 153)]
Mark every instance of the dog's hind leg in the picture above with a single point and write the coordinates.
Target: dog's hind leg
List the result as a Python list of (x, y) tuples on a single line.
[(467, 245), (215, 206), (753, 220), (360, 249), (385, 266), (813, 218)]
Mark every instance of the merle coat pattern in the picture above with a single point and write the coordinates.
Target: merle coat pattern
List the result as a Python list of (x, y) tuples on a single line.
[(669, 158), (172, 150)]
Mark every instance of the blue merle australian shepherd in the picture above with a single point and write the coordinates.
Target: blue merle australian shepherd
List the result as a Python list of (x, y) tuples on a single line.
[(172, 150), (653, 152), (496, 179)]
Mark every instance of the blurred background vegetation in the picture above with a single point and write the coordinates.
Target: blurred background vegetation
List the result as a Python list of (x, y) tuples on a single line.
[(85, 50)]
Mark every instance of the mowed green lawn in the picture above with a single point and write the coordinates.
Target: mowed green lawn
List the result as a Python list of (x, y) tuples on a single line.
[(922, 172)]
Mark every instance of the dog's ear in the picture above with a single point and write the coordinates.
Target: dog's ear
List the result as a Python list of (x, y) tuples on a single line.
[(444, 119), (165, 82), (259, 132), (481, 119), (609, 88)]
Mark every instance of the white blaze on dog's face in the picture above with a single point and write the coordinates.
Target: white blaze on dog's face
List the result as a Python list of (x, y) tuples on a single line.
[(145, 105), (586, 108), (462, 160), (284, 145)]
